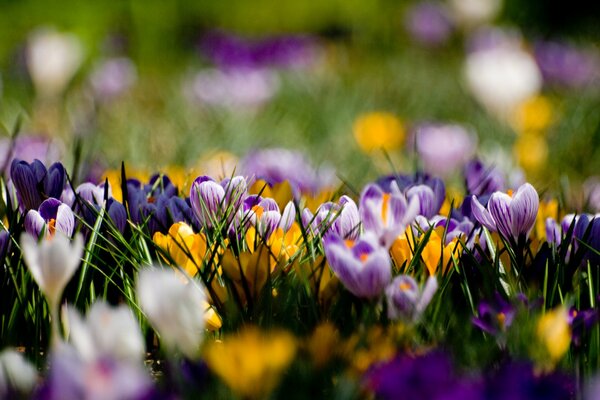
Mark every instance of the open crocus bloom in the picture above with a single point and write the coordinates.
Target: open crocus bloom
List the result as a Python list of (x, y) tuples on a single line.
[(512, 217), (52, 216), (363, 266), (386, 214)]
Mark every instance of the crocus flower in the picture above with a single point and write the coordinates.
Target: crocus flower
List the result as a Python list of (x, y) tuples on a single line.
[(33, 182), (52, 263), (186, 248), (174, 308), (106, 332), (378, 131), (52, 59), (112, 77), (425, 197), (429, 23), (211, 201), (363, 266), (566, 65), (581, 322), (554, 333), (341, 218), (512, 217), (265, 216), (481, 180), (386, 214), (52, 216), (406, 182), (494, 317), (438, 254), (502, 77), (17, 377), (28, 148), (443, 148), (405, 300)]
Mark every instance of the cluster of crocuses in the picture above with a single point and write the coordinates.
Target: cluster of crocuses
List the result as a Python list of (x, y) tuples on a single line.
[(228, 238)]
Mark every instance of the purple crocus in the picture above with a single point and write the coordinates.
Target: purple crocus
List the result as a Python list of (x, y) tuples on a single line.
[(406, 182), (266, 217), (405, 300), (444, 148), (90, 200), (481, 180), (211, 201), (566, 65), (52, 216), (341, 218), (33, 182), (512, 217), (386, 214), (494, 317), (363, 266), (112, 77), (429, 23)]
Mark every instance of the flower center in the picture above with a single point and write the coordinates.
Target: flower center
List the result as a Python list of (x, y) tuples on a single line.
[(384, 207)]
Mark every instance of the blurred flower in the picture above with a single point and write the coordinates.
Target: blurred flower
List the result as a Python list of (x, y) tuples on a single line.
[(52, 263), (278, 165), (17, 376), (112, 77), (512, 216), (386, 214), (591, 192), (106, 332), (28, 148), (548, 209), (53, 59), (33, 182), (564, 64), (582, 322), (378, 131), (494, 317), (502, 77), (554, 333), (53, 215), (534, 115), (219, 164), (430, 376), (475, 12), (251, 362), (403, 247), (481, 180), (174, 308), (249, 271), (531, 151), (71, 377), (363, 266), (323, 344), (444, 148), (341, 218), (233, 88), (286, 51), (405, 301), (186, 248), (429, 23)]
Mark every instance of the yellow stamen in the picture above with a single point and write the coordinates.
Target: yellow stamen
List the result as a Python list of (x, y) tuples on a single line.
[(404, 286), (384, 207), (52, 227)]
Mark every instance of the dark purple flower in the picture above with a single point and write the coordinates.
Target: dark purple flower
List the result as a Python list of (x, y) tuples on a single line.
[(430, 376), (4, 244), (494, 317), (512, 217), (582, 321), (482, 181), (34, 183), (52, 216), (429, 23), (586, 236), (363, 266)]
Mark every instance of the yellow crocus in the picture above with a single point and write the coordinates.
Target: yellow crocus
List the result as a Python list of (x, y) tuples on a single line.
[(534, 115), (185, 247), (435, 251), (547, 209), (377, 131), (251, 362), (554, 333), (531, 152), (402, 248), (280, 192)]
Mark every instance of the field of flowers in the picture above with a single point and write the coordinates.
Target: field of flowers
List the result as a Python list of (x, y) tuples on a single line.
[(398, 202)]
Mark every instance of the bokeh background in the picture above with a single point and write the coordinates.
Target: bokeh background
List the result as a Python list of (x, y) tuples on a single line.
[(157, 83)]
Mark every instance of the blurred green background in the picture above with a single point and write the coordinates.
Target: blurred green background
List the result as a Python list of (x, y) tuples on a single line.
[(367, 62)]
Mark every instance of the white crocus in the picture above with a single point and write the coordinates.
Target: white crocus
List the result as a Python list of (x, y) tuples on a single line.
[(502, 77), (53, 58), (52, 263), (475, 12), (174, 308), (16, 374), (106, 331)]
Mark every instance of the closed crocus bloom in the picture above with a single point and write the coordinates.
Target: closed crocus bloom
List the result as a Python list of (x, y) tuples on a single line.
[(443, 148), (482, 180), (554, 333), (425, 198), (207, 198), (363, 266), (512, 217), (386, 214), (18, 377), (174, 308), (341, 218), (405, 300), (106, 332), (33, 182), (52, 216)]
